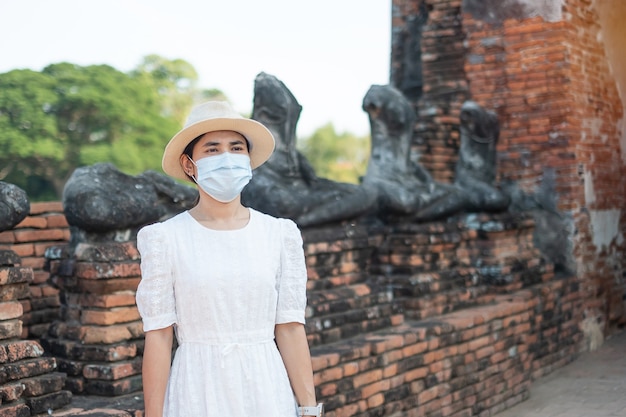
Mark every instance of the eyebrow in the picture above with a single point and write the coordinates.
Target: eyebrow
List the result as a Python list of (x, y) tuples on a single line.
[(232, 142)]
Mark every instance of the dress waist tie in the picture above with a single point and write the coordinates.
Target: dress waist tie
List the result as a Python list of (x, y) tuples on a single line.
[(240, 350)]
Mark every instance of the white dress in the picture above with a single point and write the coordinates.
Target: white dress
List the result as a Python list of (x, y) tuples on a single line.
[(224, 291)]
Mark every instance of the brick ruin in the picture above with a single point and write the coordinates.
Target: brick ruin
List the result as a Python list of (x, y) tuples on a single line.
[(451, 318)]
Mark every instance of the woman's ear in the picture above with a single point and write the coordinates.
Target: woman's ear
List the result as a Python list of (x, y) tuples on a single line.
[(187, 165)]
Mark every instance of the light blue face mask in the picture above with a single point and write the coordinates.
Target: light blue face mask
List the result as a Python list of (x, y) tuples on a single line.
[(223, 176)]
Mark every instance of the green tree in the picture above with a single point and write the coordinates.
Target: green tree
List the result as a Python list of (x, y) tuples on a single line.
[(339, 157), (176, 81), (68, 116)]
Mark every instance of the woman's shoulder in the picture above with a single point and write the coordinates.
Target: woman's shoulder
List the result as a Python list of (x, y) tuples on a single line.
[(269, 219), (278, 224), (162, 227)]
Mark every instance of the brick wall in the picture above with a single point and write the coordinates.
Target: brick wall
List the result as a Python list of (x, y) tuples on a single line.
[(29, 381), (45, 226), (452, 318), (599, 215), (436, 25)]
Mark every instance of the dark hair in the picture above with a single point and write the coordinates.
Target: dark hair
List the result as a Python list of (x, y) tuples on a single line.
[(189, 148)]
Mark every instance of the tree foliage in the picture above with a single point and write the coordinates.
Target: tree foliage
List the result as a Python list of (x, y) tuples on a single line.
[(339, 157), (66, 116)]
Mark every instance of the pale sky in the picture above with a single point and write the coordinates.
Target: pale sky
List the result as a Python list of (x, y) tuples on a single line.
[(327, 52)]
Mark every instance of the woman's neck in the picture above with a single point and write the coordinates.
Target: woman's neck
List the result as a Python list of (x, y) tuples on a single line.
[(221, 216)]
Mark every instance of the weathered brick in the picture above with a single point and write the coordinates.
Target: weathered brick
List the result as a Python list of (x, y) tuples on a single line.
[(39, 235), (15, 409), (10, 329), (11, 392), (12, 275), (10, 310), (43, 384), (26, 368), (112, 371), (52, 401), (46, 207), (16, 350), (111, 316), (32, 222), (102, 270)]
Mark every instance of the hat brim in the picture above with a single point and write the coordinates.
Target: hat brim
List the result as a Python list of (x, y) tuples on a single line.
[(259, 137)]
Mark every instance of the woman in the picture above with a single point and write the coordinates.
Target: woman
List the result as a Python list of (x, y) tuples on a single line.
[(228, 281)]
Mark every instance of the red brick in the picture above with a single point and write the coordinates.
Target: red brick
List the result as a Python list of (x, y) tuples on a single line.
[(39, 235), (10, 310), (367, 378), (46, 207), (99, 270), (57, 221), (7, 237), (32, 222), (109, 317)]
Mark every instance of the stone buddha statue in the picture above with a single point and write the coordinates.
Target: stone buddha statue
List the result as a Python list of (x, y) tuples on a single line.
[(287, 185)]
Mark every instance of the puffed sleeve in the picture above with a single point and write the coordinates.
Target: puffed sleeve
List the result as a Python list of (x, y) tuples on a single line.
[(155, 294), (292, 276)]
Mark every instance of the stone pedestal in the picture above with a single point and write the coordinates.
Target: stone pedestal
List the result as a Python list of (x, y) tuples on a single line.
[(29, 381), (98, 340)]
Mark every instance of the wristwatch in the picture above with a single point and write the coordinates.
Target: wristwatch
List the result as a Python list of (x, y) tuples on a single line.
[(317, 411)]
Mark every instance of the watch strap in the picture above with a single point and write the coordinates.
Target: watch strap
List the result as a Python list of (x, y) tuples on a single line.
[(311, 410)]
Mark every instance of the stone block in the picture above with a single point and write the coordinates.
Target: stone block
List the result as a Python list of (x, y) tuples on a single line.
[(57, 221), (10, 310), (114, 388), (15, 409), (78, 351), (43, 384), (44, 403), (106, 270), (8, 258), (12, 292), (39, 235), (113, 371), (119, 299), (16, 350), (109, 317), (107, 252), (26, 368), (11, 392), (13, 275), (10, 329)]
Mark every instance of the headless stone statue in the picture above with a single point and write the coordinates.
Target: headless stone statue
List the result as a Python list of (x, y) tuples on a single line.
[(100, 198), (14, 205), (476, 168), (286, 185), (404, 188)]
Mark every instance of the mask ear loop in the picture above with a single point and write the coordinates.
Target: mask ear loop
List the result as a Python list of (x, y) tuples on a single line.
[(192, 161)]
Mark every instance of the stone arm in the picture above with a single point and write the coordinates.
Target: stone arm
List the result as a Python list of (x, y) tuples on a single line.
[(422, 174), (307, 172)]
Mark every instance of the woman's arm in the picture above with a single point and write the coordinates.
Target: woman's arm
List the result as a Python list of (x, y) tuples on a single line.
[(294, 349), (157, 358)]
